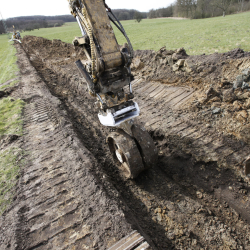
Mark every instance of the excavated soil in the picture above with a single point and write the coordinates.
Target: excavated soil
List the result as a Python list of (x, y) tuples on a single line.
[(71, 194)]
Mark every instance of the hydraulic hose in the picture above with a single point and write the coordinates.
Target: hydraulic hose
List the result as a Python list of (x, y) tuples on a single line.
[(92, 45)]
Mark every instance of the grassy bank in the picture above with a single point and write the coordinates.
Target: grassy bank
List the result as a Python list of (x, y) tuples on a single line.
[(10, 124), (10, 116), (8, 67), (9, 172), (198, 36)]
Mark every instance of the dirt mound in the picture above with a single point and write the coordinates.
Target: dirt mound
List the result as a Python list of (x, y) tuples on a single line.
[(217, 101), (177, 67), (49, 48)]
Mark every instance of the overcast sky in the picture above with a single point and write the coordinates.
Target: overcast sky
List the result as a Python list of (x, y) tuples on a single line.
[(13, 8)]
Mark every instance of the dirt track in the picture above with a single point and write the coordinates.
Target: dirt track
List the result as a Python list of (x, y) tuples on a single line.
[(71, 193)]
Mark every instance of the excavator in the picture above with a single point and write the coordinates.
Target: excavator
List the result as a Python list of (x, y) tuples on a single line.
[(106, 70), (16, 36)]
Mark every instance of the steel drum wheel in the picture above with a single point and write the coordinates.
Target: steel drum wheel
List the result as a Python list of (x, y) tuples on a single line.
[(145, 145), (135, 154), (125, 150)]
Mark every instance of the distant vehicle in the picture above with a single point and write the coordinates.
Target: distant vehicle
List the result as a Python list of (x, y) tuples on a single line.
[(16, 36)]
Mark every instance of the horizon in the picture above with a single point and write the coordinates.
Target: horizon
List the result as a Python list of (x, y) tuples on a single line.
[(56, 8)]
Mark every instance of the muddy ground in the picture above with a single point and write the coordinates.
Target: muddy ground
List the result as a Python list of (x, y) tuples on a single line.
[(195, 197)]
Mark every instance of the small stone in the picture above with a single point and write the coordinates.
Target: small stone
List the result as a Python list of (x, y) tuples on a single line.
[(157, 210), (230, 188), (188, 70), (247, 104), (237, 105), (238, 82), (159, 217), (194, 242), (180, 62), (216, 99), (175, 67), (199, 194), (243, 113), (242, 96), (180, 50), (245, 85), (137, 64), (246, 72), (229, 96), (171, 235), (216, 110), (170, 61)]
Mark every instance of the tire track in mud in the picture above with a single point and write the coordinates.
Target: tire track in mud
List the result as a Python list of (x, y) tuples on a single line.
[(175, 203), (61, 202)]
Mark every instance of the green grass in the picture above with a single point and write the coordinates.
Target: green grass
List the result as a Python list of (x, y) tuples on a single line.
[(65, 33), (10, 116), (9, 170), (8, 67), (10, 123), (11, 84), (198, 36)]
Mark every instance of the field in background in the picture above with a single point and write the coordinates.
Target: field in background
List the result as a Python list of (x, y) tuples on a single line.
[(197, 36)]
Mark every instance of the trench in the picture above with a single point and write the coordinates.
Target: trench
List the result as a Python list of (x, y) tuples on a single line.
[(165, 200)]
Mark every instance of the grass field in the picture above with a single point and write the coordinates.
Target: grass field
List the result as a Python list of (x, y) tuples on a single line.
[(197, 36), (10, 123), (8, 68)]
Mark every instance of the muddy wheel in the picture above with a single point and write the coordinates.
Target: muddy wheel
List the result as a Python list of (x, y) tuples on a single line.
[(145, 145), (125, 150)]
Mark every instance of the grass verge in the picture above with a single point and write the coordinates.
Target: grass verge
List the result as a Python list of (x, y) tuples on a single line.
[(8, 67), (10, 116), (10, 123), (9, 171)]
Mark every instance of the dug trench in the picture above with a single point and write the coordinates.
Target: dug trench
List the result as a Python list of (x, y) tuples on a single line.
[(196, 196)]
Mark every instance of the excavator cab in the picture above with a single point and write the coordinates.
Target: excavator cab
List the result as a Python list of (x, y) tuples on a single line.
[(108, 77)]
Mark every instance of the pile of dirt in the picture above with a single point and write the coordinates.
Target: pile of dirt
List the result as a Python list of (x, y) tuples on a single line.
[(218, 100)]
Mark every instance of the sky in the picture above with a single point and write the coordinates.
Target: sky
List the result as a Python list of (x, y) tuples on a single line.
[(15, 8)]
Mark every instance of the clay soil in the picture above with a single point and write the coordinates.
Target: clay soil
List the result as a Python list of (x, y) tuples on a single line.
[(195, 197)]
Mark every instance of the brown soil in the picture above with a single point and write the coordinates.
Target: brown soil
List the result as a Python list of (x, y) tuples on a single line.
[(71, 193)]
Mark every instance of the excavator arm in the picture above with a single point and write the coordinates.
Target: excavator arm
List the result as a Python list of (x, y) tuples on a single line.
[(108, 76)]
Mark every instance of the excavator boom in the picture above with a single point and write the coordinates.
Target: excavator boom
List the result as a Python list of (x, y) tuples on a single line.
[(107, 74)]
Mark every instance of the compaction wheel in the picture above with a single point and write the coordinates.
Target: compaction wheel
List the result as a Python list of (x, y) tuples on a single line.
[(135, 153)]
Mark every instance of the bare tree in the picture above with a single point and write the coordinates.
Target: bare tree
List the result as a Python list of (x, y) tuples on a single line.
[(240, 5), (223, 5)]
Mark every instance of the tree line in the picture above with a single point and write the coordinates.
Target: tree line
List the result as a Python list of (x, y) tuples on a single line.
[(181, 8), (201, 8), (123, 14), (27, 23)]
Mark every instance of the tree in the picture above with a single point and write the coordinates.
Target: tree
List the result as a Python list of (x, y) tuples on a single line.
[(2, 30), (240, 5), (138, 16), (223, 5), (123, 15)]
